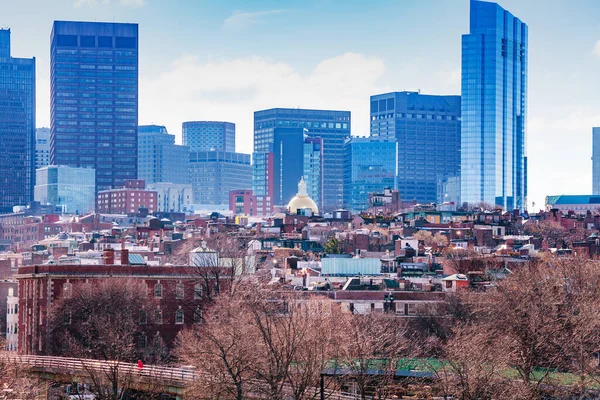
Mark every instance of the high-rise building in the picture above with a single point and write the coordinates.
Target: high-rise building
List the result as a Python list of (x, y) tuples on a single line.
[(71, 189), (596, 160), (42, 147), (159, 158), (313, 168), (94, 99), (263, 182), (427, 129), (209, 136), (370, 165), (130, 199), (17, 127), (331, 126), (213, 174), (494, 101)]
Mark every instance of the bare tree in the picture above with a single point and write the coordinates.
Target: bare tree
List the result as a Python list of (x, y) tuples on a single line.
[(261, 342), (102, 320), (376, 346)]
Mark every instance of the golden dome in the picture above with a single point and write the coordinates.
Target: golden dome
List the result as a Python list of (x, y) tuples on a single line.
[(301, 200)]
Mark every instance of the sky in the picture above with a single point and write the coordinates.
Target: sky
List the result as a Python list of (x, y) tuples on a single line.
[(223, 60)]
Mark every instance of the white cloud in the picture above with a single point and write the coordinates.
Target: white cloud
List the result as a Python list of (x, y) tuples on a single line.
[(597, 48), (127, 3), (240, 21), (231, 90)]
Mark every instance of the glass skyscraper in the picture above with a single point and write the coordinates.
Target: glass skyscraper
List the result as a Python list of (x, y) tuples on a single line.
[(331, 126), (370, 165), (71, 189), (313, 168), (94, 99), (209, 136), (427, 129), (494, 101), (17, 127), (159, 158), (596, 160)]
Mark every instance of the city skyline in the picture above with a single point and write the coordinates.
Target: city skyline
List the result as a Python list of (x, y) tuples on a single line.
[(244, 50)]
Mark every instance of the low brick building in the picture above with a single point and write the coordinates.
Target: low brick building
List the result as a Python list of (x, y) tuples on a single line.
[(176, 289), (127, 200)]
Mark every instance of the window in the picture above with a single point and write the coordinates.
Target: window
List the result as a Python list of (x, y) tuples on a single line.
[(158, 290), (198, 314), (87, 41), (142, 341), (105, 41), (68, 290), (158, 317), (179, 316), (179, 291), (143, 317), (198, 291)]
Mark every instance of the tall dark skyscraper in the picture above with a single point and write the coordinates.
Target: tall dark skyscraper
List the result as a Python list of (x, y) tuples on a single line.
[(209, 136), (17, 127), (94, 99), (332, 126), (427, 129), (494, 101)]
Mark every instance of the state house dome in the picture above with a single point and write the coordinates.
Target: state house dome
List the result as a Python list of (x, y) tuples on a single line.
[(301, 200)]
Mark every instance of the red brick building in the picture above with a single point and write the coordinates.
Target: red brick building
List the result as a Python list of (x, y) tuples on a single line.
[(177, 291), (242, 202), (127, 200)]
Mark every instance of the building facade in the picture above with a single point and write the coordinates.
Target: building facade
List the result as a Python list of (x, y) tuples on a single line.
[(213, 174), (313, 168), (17, 126), (127, 200), (42, 147), (94, 99), (263, 182), (159, 158), (494, 101), (596, 160), (370, 165), (427, 129), (241, 202), (72, 189), (173, 197), (179, 298), (331, 126), (209, 136)]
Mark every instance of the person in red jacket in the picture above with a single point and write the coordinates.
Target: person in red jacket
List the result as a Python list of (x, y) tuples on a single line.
[(140, 365)]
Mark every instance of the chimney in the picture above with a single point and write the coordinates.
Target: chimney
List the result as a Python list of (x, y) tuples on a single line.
[(109, 256), (124, 257)]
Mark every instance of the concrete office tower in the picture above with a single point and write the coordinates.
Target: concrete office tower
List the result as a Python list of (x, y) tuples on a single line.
[(94, 99), (494, 101), (209, 136), (427, 129), (17, 126), (596, 160), (42, 147), (159, 158), (370, 165), (331, 126), (213, 174)]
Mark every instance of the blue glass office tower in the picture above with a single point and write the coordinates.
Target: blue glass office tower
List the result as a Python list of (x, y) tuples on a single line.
[(370, 165), (427, 129), (94, 99), (209, 136), (17, 127), (332, 126), (494, 100)]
